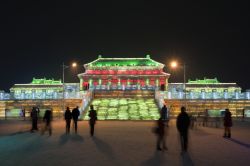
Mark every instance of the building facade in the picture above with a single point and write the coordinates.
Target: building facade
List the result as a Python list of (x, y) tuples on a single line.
[(124, 74), (37, 89), (130, 78), (206, 89)]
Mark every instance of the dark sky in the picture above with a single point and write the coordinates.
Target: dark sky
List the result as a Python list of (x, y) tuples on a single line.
[(212, 38)]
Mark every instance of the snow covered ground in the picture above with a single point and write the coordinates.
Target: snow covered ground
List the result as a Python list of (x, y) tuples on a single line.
[(120, 143)]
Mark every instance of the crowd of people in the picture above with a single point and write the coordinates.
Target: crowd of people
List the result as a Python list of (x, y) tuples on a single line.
[(74, 114), (68, 116), (183, 123)]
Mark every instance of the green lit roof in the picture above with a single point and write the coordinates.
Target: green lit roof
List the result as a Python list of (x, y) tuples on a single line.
[(45, 81), (113, 62), (204, 81)]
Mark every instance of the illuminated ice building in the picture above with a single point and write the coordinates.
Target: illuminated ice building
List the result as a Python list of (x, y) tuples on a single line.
[(124, 74), (126, 89)]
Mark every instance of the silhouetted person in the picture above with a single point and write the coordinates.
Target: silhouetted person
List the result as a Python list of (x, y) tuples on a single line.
[(47, 118), (160, 131), (243, 114), (23, 110), (67, 117), (38, 111), (182, 124), (92, 120), (34, 118), (164, 114), (205, 119), (75, 115), (227, 123), (192, 121), (21, 113), (5, 113)]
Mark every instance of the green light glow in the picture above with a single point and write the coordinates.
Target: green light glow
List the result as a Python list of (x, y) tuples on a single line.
[(123, 62), (119, 81), (45, 81), (157, 82), (125, 109), (128, 82), (90, 82), (204, 81)]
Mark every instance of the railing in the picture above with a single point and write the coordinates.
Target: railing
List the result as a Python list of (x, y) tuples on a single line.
[(86, 97), (42, 96), (159, 95), (122, 87), (15, 112), (159, 98)]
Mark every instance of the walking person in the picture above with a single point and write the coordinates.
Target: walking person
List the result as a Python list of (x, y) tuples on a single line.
[(47, 118), (67, 117), (38, 111), (23, 110), (205, 120), (21, 114), (227, 123), (75, 115), (182, 124), (34, 118), (160, 131), (164, 114), (243, 115), (92, 120)]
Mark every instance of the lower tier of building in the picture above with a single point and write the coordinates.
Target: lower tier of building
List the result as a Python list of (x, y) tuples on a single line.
[(215, 108)]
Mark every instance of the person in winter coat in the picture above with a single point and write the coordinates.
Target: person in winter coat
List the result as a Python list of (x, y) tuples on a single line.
[(160, 131), (75, 115), (182, 124), (227, 123), (47, 118), (92, 120), (67, 117), (164, 112), (34, 118)]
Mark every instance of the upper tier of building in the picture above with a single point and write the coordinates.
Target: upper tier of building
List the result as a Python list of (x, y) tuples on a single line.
[(123, 63)]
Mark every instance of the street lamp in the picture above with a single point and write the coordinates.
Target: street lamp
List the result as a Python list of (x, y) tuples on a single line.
[(174, 64), (74, 64)]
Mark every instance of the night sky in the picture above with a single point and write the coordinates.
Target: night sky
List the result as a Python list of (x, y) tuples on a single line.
[(212, 38)]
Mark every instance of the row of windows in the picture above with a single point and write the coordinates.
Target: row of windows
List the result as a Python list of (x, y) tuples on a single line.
[(112, 72)]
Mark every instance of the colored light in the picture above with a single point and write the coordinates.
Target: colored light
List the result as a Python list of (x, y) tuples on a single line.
[(45, 81), (204, 81), (125, 109)]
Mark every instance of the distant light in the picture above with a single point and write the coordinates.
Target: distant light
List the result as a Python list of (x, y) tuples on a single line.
[(173, 64), (74, 64)]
